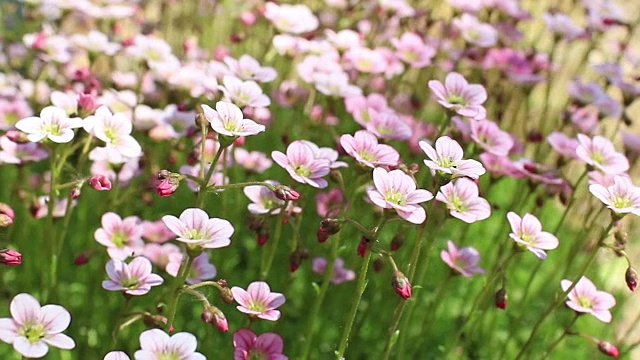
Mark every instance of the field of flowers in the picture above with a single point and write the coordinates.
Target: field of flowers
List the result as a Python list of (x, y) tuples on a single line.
[(322, 179)]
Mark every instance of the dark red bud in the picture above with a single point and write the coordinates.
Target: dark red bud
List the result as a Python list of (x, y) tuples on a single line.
[(363, 246), (631, 277), (608, 349), (501, 299), (401, 285)]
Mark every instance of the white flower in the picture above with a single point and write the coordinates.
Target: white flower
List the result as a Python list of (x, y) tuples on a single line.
[(53, 124), (228, 120)]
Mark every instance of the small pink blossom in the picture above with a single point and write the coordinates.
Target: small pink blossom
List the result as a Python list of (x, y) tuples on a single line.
[(585, 298), (464, 260), (490, 137), (252, 160), (122, 237), (249, 346), (258, 300), (156, 231), (263, 199), (195, 228), (562, 24), (100, 182), (15, 153), (527, 231), (340, 273), (397, 190), (244, 93), (248, 68), (463, 200), (447, 158), (301, 163), (622, 197), (134, 278), (32, 328), (364, 147), (228, 120), (115, 130), (331, 203), (475, 32), (295, 19), (411, 49), (600, 153), (388, 125), (563, 144), (457, 94), (155, 344), (53, 124), (500, 165), (160, 254), (200, 271)]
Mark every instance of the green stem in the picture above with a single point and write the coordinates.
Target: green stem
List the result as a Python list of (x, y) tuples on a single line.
[(264, 273), (116, 328), (571, 202), (205, 182), (558, 340), (362, 284), (175, 294)]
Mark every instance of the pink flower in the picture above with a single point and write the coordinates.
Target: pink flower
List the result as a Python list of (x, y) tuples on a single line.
[(447, 158), (457, 94), (160, 254), (195, 228), (32, 328), (228, 120), (562, 24), (263, 199), (115, 130), (585, 298), (331, 203), (10, 257), (252, 160), (599, 153), (134, 278), (295, 19), (464, 260), (475, 32), (388, 125), (500, 165), (563, 144), (116, 355), (303, 166), (463, 200), (411, 49), (258, 300), (100, 182), (490, 137), (53, 124), (155, 344), (622, 197), (527, 231), (156, 231), (122, 237), (15, 153), (248, 346), (248, 68), (364, 147), (340, 273), (397, 190), (244, 93), (200, 271)]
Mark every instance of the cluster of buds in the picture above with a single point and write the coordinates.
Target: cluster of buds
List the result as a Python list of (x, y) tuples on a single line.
[(328, 227), (401, 284), (214, 316), (296, 258), (225, 291), (168, 182), (10, 257)]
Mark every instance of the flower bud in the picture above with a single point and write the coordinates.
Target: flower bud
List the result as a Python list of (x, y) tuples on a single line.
[(17, 137), (262, 237), (363, 246), (501, 299), (10, 257), (285, 193), (631, 277), (328, 227), (377, 264), (212, 315), (296, 257), (100, 182), (225, 292), (83, 258), (396, 242), (75, 192), (401, 285), (168, 182), (608, 349)]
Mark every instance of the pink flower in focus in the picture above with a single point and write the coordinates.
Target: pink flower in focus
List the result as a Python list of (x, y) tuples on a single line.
[(340, 273), (464, 260), (155, 344), (244, 93), (457, 94), (32, 328), (490, 137), (258, 300), (301, 163), (195, 228), (447, 158), (463, 200), (248, 346), (397, 190), (115, 130), (585, 298), (122, 237), (134, 278), (364, 147), (100, 182), (388, 125), (600, 153), (228, 120), (527, 231), (53, 124), (622, 197), (263, 199)]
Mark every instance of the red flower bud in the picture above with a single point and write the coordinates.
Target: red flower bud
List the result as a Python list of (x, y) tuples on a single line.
[(631, 277), (377, 265), (17, 137), (401, 285), (501, 299), (100, 182), (263, 237), (396, 242), (10, 257), (83, 258), (212, 315), (363, 246), (168, 182), (285, 193), (608, 349)]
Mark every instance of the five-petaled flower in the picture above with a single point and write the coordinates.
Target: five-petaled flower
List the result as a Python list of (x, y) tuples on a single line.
[(463, 260), (446, 158), (527, 231), (134, 278), (227, 119), (364, 147), (155, 344), (463, 200), (457, 94), (250, 346), (303, 165), (622, 197), (258, 300), (195, 228), (585, 298), (600, 153), (397, 190), (53, 124), (32, 328)]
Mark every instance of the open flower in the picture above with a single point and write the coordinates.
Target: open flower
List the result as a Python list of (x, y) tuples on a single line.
[(244, 93), (134, 278), (622, 197), (457, 94), (258, 300), (527, 231), (32, 328), (264, 200), (116, 355), (600, 153), (397, 190), (115, 130), (200, 271), (195, 228), (447, 158), (302, 163), (122, 237), (53, 124), (585, 298), (157, 345), (228, 120), (464, 260), (340, 273), (463, 200), (363, 146), (250, 346)]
